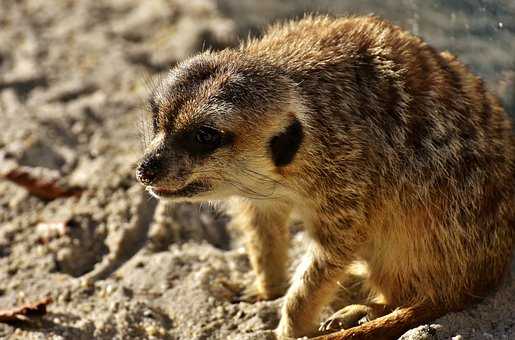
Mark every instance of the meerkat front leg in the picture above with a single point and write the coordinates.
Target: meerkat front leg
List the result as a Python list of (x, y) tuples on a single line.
[(267, 238), (313, 287)]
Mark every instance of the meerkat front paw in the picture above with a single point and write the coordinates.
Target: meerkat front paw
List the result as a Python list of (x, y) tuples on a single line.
[(255, 293), (250, 295), (345, 318)]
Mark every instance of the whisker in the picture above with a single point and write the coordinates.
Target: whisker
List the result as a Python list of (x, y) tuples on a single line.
[(248, 192), (263, 176), (263, 179), (269, 193), (145, 132), (251, 193)]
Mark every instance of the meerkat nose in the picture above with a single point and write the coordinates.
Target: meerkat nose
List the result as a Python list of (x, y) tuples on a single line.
[(148, 171)]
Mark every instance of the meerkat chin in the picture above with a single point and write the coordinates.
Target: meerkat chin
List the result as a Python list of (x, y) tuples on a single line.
[(396, 156)]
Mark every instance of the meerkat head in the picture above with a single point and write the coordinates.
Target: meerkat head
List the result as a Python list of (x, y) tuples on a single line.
[(222, 125)]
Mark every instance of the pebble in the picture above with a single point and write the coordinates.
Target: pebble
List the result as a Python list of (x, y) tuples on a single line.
[(109, 289), (114, 306), (65, 296)]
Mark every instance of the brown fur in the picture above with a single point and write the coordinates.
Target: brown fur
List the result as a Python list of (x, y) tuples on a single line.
[(406, 166)]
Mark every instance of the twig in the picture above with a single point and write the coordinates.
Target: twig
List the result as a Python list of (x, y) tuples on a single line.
[(25, 311), (38, 185)]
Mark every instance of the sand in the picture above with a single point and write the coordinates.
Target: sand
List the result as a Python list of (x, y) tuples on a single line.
[(74, 76)]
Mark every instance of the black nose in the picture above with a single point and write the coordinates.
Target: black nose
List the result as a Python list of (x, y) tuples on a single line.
[(148, 170)]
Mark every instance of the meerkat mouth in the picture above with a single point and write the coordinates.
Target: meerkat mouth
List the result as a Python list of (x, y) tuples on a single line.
[(191, 189)]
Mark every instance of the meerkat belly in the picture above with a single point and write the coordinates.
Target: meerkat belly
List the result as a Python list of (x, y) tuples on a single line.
[(414, 256)]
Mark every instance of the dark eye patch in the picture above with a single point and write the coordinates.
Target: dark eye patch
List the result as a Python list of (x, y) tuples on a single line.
[(204, 140)]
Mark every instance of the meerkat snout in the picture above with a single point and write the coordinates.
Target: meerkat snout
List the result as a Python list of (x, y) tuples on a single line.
[(222, 126), (149, 169)]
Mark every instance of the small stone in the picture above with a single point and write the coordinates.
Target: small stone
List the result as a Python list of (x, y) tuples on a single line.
[(85, 283), (127, 292), (65, 296), (114, 306), (151, 330), (109, 289)]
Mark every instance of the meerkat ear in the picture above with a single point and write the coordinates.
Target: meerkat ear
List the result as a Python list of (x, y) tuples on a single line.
[(285, 145)]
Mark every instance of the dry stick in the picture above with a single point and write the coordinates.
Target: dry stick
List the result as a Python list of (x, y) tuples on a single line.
[(390, 326), (27, 310), (45, 188)]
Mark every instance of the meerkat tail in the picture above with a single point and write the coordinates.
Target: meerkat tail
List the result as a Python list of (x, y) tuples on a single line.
[(390, 326)]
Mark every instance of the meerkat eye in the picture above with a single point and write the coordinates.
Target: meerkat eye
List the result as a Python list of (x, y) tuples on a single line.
[(204, 140), (208, 137)]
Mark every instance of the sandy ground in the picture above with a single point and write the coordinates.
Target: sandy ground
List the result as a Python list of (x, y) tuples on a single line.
[(73, 79)]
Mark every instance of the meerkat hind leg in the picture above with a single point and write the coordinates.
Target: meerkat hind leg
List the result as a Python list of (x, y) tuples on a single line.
[(351, 316), (346, 317), (353, 302), (390, 326)]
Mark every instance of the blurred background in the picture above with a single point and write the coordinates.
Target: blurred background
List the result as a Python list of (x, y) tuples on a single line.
[(73, 221)]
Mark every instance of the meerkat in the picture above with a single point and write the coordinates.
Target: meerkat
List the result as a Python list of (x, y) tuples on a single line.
[(397, 158)]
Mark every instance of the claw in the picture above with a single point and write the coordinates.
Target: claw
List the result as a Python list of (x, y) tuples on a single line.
[(345, 318)]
